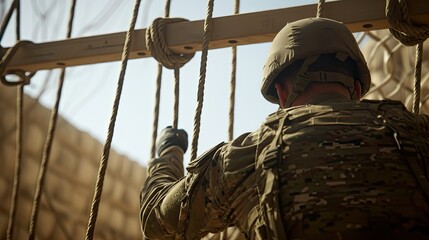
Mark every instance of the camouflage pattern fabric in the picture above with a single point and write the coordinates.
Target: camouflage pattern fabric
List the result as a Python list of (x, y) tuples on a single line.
[(344, 174)]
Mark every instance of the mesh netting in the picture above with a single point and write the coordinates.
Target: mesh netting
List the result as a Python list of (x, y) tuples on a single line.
[(392, 68)]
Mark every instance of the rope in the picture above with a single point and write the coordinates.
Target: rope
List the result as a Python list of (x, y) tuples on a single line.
[(417, 78), (176, 97), (401, 25), (167, 8), (157, 45), (403, 29), (49, 139), (157, 92), (202, 79), (19, 131), (111, 129), (320, 8), (233, 82)]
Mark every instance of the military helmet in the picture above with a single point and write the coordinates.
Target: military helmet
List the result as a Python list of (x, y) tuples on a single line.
[(307, 39)]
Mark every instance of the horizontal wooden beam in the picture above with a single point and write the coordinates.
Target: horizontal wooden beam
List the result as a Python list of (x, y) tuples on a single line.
[(186, 37)]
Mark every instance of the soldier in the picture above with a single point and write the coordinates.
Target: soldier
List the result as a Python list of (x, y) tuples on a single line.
[(324, 166)]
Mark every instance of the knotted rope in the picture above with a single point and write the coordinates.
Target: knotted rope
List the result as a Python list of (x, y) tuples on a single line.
[(111, 129), (49, 139), (202, 79), (156, 44), (409, 34), (401, 25)]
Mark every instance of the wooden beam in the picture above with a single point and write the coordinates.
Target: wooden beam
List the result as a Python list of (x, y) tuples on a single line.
[(185, 37)]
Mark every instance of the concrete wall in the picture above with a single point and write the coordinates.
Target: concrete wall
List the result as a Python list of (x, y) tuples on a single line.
[(70, 179)]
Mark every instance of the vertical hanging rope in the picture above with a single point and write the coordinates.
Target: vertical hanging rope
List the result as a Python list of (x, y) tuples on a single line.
[(417, 78), (403, 29), (156, 111), (233, 82), (158, 95), (167, 8), (320, 7), (19, 124), (176, 79), (49, 139), (202, 79), (176, 97), (106, 150)]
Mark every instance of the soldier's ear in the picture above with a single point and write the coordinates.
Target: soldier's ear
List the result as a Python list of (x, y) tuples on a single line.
[(282, 94), (358, 89)]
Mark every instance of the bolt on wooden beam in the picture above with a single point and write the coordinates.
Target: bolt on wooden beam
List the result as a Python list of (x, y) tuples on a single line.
[(185, 37)]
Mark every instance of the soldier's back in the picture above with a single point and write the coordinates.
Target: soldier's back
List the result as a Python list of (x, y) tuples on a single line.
[(354, 170)]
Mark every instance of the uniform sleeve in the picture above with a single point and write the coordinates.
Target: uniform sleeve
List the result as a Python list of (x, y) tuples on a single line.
[(178, 206), (423, 122)]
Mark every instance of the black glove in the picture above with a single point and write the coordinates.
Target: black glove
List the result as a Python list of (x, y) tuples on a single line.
[(171, 137)]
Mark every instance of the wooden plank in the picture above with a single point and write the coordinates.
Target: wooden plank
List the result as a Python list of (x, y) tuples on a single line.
[(185, 37)]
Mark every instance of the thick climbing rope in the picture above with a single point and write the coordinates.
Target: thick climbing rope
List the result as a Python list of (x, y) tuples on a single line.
[(409, 34), (233, 82), (320, 8), (49, 139), (176, 98), (156, 111), (176, 79), (19, 126), (401, 26), (202, 79), (155, 41), (157, 45), (417, 78), (106, 150)]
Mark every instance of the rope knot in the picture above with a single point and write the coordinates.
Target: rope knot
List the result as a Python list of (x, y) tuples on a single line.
[(401, 26), (157, 45)]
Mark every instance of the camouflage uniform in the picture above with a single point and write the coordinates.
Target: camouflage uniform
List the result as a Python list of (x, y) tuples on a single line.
[(334, 169), (345, 170)]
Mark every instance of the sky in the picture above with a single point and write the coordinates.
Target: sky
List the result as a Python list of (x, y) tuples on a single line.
[(89, 90)]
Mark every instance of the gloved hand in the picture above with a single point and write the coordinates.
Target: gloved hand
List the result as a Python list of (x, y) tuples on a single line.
[(171, 137)]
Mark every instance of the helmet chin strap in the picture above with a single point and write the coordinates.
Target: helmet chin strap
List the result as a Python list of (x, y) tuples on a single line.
[(305, 78)]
